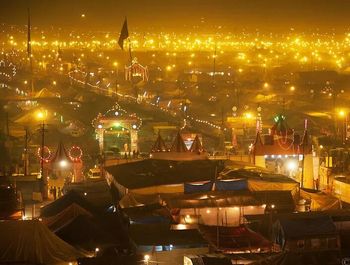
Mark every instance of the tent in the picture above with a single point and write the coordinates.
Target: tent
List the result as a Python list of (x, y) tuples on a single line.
[(152, 213), (90, 232), (238, 238), (31, 242), (96, 192), (196, 200), (65, 201), (66, 216), (154, 172)]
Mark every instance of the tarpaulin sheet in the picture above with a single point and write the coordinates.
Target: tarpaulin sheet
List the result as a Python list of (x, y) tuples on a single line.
[(226, 185), (175, 188), (200, 187), (260, 185)]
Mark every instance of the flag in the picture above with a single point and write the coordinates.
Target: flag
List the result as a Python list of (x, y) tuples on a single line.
[(124, 34)]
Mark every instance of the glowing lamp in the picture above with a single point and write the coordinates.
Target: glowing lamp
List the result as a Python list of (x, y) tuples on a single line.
[(63, 163), (292, 165)]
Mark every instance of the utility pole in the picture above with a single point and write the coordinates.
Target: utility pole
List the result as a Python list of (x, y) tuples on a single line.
[(43, 178), (25, 158)]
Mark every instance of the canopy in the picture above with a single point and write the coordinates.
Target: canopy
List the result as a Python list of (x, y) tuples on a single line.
[(31, 242)]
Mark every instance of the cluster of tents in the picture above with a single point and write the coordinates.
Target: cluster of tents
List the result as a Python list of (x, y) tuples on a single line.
[(69, 229)]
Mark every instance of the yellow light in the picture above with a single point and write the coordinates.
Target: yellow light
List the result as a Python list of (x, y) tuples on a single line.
[(266, 85), (168, 68), (54, 83), (63, 163), (292, 88), (82, 15), (248, 115), (341, 113), (240, 70), (40, 115), (146, 258), (115, 64), (292, 165)]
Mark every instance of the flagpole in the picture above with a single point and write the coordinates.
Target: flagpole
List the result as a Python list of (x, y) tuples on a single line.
[(29, 51)]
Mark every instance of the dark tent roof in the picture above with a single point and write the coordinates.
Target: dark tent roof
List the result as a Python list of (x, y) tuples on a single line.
[(306, 226), (31, 242), (159, 145), (255, 174), (160, 234), (178, 144), (145, 213), (64, 217), (62, 203), (196, 145), (234, 238), (96, 192), (153, 172), (281, 199), (89, 232)]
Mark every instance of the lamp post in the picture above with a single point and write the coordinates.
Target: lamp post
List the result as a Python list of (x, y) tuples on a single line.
[(342, 115), (41, 115)]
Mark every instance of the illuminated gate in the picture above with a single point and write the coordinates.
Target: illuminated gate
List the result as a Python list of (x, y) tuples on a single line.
[(117, 134)]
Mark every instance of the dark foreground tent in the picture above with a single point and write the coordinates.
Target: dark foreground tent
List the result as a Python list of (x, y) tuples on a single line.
[(88, 232), (66, 216), (65, 201), (31, 242), (96, 192)]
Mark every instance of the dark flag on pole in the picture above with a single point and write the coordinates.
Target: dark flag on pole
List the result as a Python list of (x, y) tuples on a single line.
[(124, 34)]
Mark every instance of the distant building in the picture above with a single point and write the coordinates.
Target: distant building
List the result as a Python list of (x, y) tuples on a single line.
[(285, 152)]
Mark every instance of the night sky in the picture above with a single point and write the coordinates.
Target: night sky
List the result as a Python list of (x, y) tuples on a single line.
[(174, 14)]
